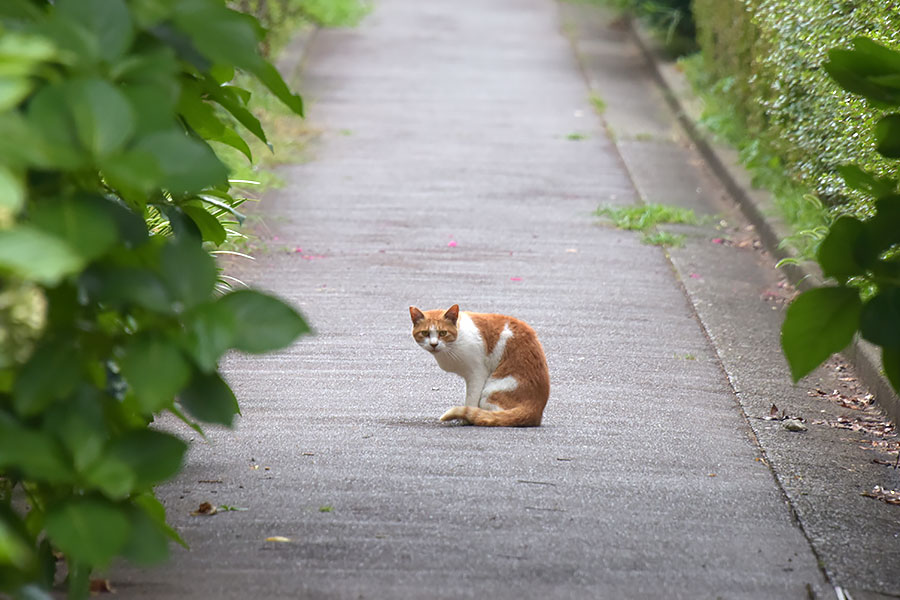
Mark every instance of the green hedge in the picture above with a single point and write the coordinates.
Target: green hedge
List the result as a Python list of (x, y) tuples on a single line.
[(770, 53)]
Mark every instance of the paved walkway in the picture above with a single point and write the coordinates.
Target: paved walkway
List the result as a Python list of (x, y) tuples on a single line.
[(453, 121)]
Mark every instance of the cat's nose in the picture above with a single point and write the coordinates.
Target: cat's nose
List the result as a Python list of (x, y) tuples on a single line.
[(433, 343)]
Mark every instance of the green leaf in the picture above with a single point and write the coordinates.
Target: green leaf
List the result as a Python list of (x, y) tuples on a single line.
[(127, 286), (34, 453), (154, 509), (107, 23), (818, 323), (188, 271), (103, 116), (112, 476), (13, 90), (132, 228), (882, 229), (271, 78), (156, 370), (202, 118), (80, 425), (858, 70), (33, 390), (153, 105), (85, 224), (887, 135), (52, 130), (152, 455), (228, 97), (134, 174), (89, 530), (208, 398), (846, 251), (858, 179), (880, 319), (14, 550), (225, 202), (264, 323), (211, 230), (150, 12), (12, 190), (148, 544), (187, 164), (37, 256), (890, 360), (222, 35), (231, 138), (211, 329)]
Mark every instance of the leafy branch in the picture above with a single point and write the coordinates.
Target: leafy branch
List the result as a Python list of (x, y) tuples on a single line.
[(111, 200), (861, 255)]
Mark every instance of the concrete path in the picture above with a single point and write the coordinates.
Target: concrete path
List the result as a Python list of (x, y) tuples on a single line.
[(470, 122)]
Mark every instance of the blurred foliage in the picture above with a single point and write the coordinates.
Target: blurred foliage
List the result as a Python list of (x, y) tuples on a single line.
[(112, 198), (671, 20), (282, 17)]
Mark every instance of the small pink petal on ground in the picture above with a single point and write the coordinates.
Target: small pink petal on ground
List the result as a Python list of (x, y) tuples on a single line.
[(718, 241), (695, 276), (515, 279), (274, 238), (299, 250), (451, 244)]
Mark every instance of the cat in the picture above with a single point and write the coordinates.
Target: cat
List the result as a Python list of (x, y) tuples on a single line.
[(507, 380)]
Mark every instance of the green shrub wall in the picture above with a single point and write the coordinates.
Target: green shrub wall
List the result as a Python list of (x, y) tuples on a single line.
[(770, 52)]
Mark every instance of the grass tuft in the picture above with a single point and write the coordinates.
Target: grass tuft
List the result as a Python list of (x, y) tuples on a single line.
[(642, 218)]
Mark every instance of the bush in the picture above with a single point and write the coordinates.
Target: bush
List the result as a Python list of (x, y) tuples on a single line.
[(111, 197), (771, 52)]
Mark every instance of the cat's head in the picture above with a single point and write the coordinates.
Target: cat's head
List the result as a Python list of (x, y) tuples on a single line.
[(434, 329)]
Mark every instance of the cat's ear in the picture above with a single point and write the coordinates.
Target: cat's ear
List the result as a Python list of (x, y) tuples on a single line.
[(452, 314), (415, 314)]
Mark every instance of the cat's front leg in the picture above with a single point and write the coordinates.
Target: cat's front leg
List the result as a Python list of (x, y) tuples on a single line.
[(474, 387)]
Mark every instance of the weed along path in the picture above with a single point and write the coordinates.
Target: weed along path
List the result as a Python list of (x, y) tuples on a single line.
[(461, 162)]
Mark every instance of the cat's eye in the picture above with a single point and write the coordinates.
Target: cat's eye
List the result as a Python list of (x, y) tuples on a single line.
[(442, 333)]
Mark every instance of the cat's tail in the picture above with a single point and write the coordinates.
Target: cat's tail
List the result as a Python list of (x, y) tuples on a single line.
[(518, 416)]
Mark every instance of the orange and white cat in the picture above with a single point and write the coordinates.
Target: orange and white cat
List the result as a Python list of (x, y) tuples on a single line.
[(507, 381)]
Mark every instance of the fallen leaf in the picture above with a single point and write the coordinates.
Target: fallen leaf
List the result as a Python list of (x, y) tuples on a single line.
[(572, 250), (205, 509), (101, 586), (711, 475), (887, 496), (278, 538)]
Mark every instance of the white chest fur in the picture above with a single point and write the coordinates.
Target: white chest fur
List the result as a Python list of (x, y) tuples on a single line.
[(466, 356)]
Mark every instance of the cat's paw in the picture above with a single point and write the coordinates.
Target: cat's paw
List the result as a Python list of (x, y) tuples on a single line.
[(457, 412)]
